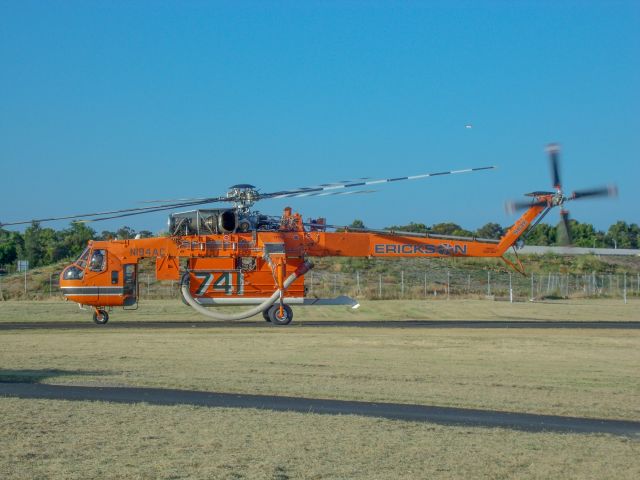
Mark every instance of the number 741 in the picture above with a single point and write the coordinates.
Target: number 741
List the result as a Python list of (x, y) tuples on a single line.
[(220, 282)]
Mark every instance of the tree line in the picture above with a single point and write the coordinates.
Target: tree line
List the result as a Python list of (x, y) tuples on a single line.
[(43, 246), (619, 235)]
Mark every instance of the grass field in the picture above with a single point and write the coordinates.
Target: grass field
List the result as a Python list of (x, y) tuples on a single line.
[(564, 372), (577, 372), (84, 440), (467, 309)]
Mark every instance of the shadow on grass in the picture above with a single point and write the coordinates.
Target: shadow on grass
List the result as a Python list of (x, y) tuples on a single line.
[(36, 376)]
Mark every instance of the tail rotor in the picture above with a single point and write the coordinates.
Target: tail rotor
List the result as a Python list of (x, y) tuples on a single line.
[(557, 198)]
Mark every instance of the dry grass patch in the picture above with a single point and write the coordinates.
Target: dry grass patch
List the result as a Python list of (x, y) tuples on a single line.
[(584, 373), (85, 440)]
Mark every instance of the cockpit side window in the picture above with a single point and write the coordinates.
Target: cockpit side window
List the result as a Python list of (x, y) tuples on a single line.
[(98, 261), (82, 259)]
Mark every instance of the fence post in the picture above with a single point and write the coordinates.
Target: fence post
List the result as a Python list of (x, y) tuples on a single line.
[(148, 286), (625, 288), (358, 282), (380, 286), (335, 283), (532, 297), (425, 284), (25, 283), (50, 282), (448, 283), (510, 289), (468, 283), (489, 283)]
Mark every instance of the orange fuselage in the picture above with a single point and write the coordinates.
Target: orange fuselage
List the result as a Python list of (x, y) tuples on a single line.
[(252, 265)]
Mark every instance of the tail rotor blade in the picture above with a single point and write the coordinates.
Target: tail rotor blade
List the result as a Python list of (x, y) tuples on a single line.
[(566, 228), (515, 206), (554, 151), (608, 191)]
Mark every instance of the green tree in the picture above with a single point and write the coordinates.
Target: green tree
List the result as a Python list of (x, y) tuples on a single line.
[(583, 234), (450, 228), (490, 230), (542, 235), (33, 249), (124, 233), (10, 244), (49, 240), (75, 238), (357, 223), (621, 235), (412, 227), (107, 235)]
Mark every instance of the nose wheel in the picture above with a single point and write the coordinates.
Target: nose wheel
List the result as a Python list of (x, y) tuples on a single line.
[(278, 318), (100, 317)]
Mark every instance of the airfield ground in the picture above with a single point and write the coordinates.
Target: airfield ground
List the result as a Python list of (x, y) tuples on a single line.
[(570, 372), (600, 309)]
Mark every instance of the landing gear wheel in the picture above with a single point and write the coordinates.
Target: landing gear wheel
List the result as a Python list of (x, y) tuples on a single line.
[(100, 317), (265, 315), (276, 319)]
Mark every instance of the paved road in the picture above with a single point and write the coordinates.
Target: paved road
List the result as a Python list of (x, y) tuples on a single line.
[(346, 323), (416, 413)]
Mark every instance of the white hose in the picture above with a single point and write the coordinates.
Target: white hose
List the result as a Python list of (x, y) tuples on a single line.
[(186, 293)]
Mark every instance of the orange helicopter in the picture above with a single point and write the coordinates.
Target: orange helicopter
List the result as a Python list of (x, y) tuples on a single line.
[(237, 256)]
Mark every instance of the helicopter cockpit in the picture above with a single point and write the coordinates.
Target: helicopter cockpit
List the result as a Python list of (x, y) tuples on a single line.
[(91, 260)]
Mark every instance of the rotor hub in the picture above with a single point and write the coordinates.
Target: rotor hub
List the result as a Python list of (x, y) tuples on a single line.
[(243, 196)]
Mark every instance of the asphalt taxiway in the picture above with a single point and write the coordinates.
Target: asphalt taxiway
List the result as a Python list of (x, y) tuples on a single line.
[(397, 411)]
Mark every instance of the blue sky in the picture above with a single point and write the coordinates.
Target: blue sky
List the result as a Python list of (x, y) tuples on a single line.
[(104, 104)]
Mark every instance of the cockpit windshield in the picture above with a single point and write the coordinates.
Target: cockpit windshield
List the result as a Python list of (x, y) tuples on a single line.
[(82, 259)]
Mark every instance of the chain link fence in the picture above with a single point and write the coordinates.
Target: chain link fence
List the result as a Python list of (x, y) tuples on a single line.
[(410, 284), (476, 284)]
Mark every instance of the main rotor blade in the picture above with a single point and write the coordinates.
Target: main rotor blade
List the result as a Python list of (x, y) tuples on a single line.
[(608, 191), (173, 200), (124, 211), (363, 182), (324, 194), (333, 184), (554, 151), (566, 227)]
